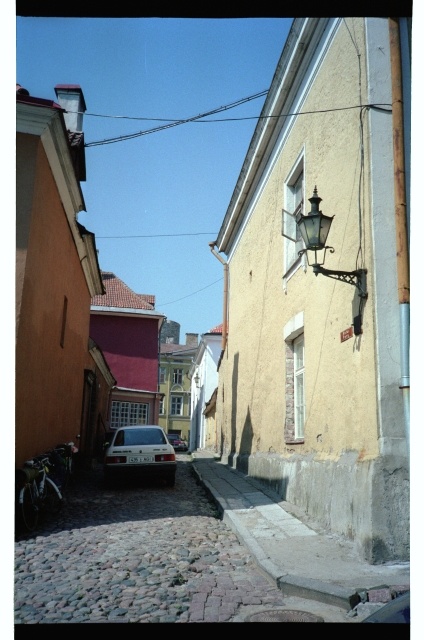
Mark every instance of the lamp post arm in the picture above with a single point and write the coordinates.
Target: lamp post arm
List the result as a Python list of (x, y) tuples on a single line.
[(356, 278)]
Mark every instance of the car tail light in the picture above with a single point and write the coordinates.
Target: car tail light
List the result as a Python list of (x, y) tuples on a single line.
[(115, 459), (165, 457)]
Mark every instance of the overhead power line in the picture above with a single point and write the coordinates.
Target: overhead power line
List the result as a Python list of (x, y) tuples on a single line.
[(200, 118), (176, 123), (189, 295), (159, 235)]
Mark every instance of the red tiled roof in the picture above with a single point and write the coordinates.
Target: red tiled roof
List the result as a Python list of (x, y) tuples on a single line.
[(22, 95), (217, 329), (147, 298), (167, 347), (118, 294)]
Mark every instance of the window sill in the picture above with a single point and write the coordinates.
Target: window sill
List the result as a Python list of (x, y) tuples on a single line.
[(294, 440), (292, 268)]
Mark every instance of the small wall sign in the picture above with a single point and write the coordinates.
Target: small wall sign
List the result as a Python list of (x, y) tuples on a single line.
[(346, 334)]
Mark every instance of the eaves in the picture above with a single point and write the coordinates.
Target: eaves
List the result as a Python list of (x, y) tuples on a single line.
[(121, 311), (48, 124), (98, 357), (90, 264), (140, 392), (303, 38)]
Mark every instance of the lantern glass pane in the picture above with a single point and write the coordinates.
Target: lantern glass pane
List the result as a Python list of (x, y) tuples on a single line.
[(325, 229), (310, 230)]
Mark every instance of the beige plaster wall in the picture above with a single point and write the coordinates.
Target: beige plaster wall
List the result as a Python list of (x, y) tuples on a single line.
[(341, 409)]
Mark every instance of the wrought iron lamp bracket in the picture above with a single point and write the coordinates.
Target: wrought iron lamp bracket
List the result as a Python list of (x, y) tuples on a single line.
[(356, 278)]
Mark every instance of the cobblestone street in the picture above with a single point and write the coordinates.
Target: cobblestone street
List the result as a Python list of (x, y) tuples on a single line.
[(137, 553)]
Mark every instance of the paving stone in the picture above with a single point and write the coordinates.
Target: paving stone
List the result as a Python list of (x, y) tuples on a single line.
[(142, 553)]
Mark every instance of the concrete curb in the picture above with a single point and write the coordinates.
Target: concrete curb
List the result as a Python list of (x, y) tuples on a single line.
[(290, 585)]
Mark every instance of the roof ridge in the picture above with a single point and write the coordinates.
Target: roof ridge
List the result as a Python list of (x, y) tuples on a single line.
[(119, 294)]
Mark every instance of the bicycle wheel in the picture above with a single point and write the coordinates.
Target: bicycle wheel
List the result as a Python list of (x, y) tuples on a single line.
[(52, 498), (28, 508)]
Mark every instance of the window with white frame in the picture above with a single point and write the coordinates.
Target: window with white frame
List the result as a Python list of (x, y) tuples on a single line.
[(162, 375), (178, 376), (177, 405), (128, 413), (293, 204), (294, 423), (299, 386), (161, 406)]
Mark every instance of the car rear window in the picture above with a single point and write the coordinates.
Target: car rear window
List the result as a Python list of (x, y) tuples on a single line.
[(139, 437)]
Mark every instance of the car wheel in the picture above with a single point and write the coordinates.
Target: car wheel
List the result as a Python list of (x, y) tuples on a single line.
[(170, 481)]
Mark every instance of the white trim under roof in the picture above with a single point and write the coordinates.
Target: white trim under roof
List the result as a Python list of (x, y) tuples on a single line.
[(146, 391), (124, 311)]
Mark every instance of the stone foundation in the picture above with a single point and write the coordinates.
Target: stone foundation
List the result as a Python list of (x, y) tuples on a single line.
[(367, 502)]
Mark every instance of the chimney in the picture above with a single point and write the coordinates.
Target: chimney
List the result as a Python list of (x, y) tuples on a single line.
[(192, 339), (71, 99)]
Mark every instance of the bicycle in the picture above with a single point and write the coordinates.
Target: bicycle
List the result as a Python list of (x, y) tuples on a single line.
[(62, 457), (37, 491)]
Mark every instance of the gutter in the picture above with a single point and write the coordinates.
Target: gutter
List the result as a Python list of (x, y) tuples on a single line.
[(212, 246)]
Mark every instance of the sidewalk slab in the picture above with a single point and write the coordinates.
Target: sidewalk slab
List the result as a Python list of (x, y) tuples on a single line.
[(302, 560)]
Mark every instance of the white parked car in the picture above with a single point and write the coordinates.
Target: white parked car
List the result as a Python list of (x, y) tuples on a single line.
[(141, 451)]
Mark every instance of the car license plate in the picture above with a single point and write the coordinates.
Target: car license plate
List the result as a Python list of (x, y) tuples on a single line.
[(136, 459)]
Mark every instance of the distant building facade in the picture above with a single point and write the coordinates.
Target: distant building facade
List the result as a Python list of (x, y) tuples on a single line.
[(174, 385), (126, 326), (204, 432), (170, 332)]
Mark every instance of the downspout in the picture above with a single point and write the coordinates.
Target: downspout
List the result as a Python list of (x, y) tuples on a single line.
[(225, 305), (402, 246), (168, 399)]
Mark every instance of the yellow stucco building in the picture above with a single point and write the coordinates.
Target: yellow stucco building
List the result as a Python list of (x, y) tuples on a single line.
[(174, 384), (314, 377)]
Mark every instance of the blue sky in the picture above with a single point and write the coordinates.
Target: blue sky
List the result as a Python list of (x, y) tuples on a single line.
[(156, 201)]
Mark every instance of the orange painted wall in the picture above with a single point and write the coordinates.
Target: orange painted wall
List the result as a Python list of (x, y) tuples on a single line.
[(49, 377)]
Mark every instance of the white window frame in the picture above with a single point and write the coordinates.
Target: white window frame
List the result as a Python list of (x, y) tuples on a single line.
[(162, 406), (299, 386), (128, 413), (177, 376), (174, 400), (294, 382), (294, 203)]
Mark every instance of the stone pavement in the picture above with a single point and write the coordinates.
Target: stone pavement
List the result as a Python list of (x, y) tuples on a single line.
[(301, 558), (140, 553)]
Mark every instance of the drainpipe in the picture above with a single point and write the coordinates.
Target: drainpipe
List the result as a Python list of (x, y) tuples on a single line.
[(168, 399), (225, 310), (402, 247)]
